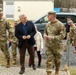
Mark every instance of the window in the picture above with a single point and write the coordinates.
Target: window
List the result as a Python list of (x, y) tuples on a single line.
[(62, 18), (74, 18), (9, 16), (9, 2), (9, 9), (44, 19)]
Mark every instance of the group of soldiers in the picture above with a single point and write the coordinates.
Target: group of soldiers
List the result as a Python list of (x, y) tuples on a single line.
[(54, 33), (5, 28)]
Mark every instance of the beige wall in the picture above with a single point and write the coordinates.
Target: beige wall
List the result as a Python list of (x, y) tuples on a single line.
[(33, 9)]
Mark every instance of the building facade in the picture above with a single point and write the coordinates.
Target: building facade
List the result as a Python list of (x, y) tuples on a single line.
[(32, 8)]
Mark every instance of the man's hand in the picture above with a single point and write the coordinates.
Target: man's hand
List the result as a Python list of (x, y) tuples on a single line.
[(24, 37), (10, 40), (28, 37)]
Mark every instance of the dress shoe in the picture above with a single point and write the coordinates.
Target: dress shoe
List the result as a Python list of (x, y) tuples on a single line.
[(29, 65), (34, 68), (21, 71)]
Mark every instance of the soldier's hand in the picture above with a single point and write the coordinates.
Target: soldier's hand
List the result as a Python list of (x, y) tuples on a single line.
[(45, 36), (49, 37), (24, 37)]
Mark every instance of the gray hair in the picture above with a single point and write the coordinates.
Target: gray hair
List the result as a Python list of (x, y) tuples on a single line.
[(21, 16)]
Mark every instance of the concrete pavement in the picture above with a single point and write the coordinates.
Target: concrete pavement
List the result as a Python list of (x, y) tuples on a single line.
[(14, 70), (28, 71)]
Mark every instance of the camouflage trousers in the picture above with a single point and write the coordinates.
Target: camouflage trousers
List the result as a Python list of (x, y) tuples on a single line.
[(14, 50), (53, 55), (4, 49)]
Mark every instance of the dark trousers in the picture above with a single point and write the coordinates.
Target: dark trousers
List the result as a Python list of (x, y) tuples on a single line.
[(39, 57), (22, 54)]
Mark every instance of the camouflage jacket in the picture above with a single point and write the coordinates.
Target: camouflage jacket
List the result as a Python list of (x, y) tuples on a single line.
[(57, 30), (72, 33), (4, 25), (13, 37)]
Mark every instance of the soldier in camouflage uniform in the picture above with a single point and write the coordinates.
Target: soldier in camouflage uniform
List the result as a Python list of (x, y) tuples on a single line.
[(4, 25), (14, 45), (73, 34), (53, 34)]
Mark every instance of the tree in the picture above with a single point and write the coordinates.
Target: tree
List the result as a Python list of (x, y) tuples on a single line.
[(68, 4), (65, 3), (57, 3)]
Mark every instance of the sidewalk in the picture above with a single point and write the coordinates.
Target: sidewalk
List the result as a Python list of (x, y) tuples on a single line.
[(28, 71), (14, 70)]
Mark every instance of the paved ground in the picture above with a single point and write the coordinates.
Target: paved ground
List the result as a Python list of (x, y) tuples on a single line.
[(14, 70), (71, 57), (28, 71)]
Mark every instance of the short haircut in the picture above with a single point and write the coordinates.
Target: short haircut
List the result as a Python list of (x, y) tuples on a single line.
[(52, 13)]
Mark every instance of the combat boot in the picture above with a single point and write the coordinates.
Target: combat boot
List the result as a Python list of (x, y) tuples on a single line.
[(49, 73), (8, 63), (33, 66), (66, 68), (74, 51), (14, 62), (56, 73)]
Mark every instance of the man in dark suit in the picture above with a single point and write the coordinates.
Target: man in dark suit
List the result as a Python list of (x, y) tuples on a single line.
[(25, 32)]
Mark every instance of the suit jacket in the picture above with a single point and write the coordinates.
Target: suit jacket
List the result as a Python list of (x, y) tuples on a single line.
[(19, 32)]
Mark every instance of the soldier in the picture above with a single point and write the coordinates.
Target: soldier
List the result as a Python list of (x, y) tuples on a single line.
[(73, 34), (4, 25), (14, 42), (67, 26), (53, 34)]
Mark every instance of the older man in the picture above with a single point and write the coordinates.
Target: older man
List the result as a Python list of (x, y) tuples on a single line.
[(25, 32), (53, 34)]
